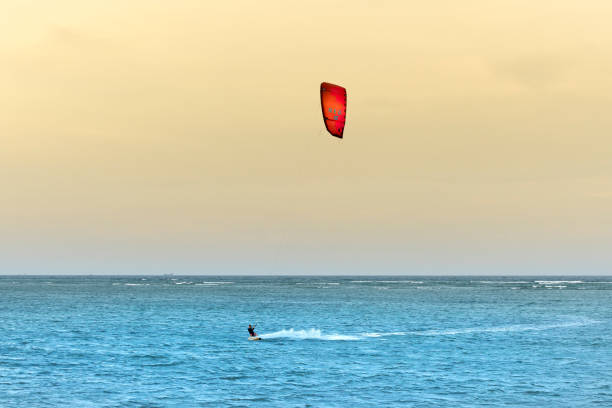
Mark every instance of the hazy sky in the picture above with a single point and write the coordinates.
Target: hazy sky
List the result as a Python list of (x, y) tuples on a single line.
[(186, 137)]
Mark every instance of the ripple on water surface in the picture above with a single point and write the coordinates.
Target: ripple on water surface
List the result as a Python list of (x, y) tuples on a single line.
[(339, 341)]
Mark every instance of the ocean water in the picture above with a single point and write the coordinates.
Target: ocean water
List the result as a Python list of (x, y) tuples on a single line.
[(181, 341)]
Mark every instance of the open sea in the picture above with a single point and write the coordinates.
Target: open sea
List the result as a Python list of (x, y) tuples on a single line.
[(181, 341)]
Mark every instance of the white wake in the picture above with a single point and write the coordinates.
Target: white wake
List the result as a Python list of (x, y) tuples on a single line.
[(316, 334), (497, 329), (310, 334)]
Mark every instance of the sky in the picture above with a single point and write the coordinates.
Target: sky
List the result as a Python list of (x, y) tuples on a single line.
[(186, 137)]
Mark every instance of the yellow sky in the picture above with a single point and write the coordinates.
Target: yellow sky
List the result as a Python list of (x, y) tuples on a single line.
[(186, 136)]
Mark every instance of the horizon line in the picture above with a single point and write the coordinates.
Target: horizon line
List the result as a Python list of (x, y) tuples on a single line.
[(296, 275)]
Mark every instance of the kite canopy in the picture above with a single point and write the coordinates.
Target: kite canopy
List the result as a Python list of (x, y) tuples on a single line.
[(333, 104)]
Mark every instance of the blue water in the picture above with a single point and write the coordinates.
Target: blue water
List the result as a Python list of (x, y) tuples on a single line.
[(177, 341)]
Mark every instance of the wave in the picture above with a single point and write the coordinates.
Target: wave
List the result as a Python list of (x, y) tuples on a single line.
[(310, 334), (399, 281), (318, 283), (218, 282), (544, 282), (205, 283), (500, 282)]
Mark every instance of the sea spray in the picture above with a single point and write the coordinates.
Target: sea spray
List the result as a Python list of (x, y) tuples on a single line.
[(309, 334)]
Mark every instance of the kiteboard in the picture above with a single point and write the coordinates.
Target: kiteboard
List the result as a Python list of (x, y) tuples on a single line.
[(254, 338)]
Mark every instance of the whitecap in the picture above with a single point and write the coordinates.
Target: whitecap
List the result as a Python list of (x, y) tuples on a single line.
[(544, 282), (319, 284), (500, 282), (399, 281), (218, 283)]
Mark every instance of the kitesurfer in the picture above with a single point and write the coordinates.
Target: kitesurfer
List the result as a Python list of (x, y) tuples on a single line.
[(252, 331)]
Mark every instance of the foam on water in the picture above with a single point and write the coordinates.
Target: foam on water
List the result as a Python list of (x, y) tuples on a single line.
[(316, 334), (210, 283), (500, 282), (218, 282), (309, 334), (556, 282), (498, 329), (512, 328), (384, 334), (399, 281)]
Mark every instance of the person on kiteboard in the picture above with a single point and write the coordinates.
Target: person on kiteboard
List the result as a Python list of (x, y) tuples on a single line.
[(252, 331)]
